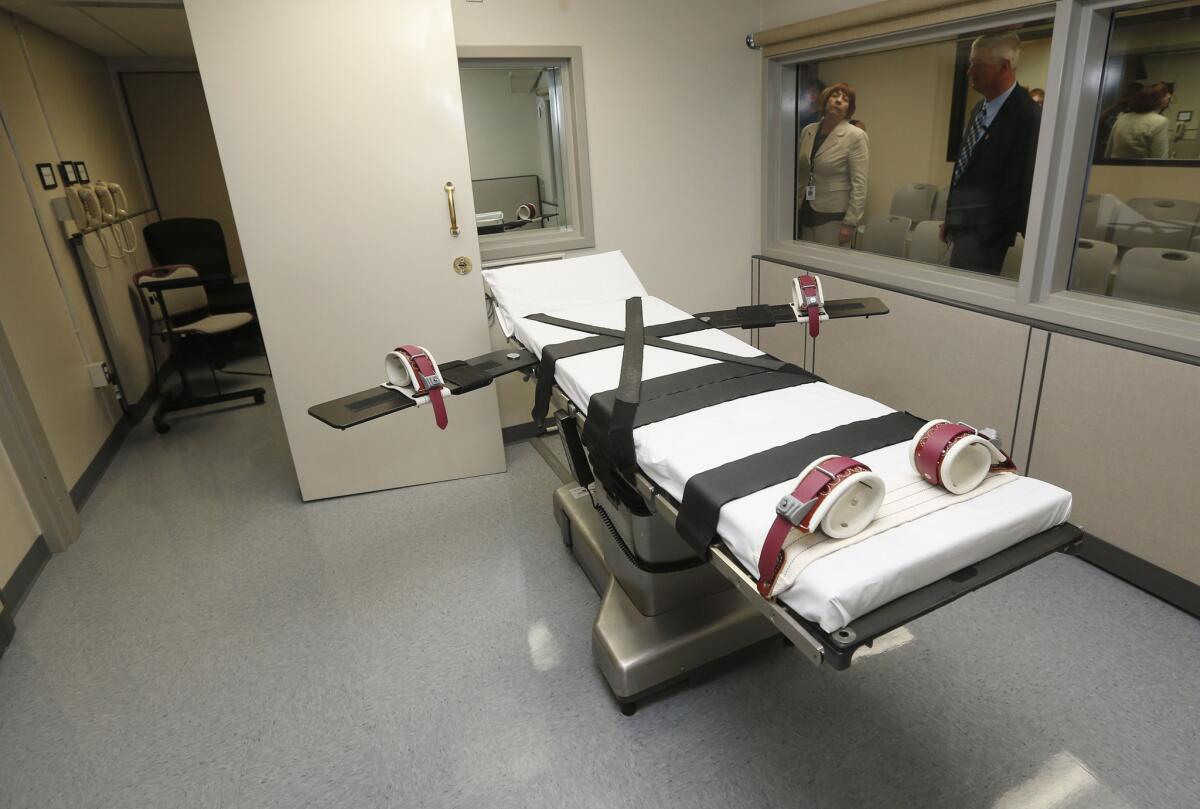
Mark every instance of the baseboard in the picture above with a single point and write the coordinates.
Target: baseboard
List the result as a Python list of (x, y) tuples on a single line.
[(22, 579), (86, 484), (8, 629), (141, 407), (1175, 590), (521, 432)]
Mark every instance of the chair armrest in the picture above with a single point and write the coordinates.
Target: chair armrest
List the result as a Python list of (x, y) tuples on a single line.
[(177, 283)]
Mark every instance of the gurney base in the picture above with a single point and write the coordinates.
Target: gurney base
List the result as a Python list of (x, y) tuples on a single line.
[(639, 654)]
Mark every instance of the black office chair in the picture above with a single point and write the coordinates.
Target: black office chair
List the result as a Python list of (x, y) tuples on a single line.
[(200, 243), (177, 310)]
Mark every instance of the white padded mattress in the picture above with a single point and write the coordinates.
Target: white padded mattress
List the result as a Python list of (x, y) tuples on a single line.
[(838, 588)]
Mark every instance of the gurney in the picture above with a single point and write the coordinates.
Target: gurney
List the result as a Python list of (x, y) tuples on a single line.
[(674, 492)]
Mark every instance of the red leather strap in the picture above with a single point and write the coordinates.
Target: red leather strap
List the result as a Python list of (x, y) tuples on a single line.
[(428, 381), (810, 294), (817, 485), (937, 441)]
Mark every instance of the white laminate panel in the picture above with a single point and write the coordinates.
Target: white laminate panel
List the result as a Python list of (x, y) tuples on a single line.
[(933, 360), (1092, 438)]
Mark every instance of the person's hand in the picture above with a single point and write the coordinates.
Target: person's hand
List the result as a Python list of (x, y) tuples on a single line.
[(846, 233), (942, 232)]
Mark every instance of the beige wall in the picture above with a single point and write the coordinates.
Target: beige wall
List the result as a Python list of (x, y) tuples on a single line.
[(76, 417), (1131, 182), (43, 291), (173, 128), (18, 528), (903, 97), (673, 130), (87, 124), (785, 12)]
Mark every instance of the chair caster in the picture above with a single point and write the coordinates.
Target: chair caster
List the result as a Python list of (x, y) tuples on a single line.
[(628, 708), (162, 428)]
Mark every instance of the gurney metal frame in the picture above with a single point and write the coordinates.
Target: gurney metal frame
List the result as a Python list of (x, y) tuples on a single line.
[(666, 613)]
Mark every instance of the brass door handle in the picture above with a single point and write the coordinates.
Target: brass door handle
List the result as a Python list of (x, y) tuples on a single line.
[(453, 215)]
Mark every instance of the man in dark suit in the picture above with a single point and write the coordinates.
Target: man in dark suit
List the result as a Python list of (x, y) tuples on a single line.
[(990, 186)]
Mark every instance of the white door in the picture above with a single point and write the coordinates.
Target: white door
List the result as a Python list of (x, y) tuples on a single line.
[(338, 124)]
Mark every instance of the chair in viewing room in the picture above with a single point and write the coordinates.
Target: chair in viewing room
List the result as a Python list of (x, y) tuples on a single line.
[(926, 243), (176, 308), (1160, 277), (914, 200), (1092, 270), (887, 235)]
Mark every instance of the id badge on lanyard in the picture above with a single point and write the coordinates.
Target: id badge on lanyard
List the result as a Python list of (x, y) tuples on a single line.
[(810, 190)]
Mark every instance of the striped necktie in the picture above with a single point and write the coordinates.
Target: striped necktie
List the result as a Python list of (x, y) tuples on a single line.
[(971, 139)]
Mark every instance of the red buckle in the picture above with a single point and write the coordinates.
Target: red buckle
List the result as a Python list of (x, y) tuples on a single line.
[(427, 381), (817, 485), (810, 293)]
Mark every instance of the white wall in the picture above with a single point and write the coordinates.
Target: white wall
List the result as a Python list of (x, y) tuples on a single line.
[(784, 12), (674, 123), (502, 126)]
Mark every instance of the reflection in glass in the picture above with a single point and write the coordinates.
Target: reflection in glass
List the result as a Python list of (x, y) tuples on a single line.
[(953, 135), (1139, 234), (513, 115)]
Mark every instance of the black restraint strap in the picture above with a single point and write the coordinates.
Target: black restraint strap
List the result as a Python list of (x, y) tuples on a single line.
[(551, 354), (759, 316), (763, 361), (628, 393), (706, 493), (665, 397), (662, 398)]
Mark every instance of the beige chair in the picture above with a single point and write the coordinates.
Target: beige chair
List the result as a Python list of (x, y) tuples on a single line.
[(886, 235), (914, 200), (1160, 277), (1092, 271), (925, 243), (939, 203), (1152, 233), (1097, 219), (176, 306), (1180, 214), (1012, 259)]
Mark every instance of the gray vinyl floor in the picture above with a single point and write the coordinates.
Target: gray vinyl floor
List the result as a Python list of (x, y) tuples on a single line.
[(212, 642)]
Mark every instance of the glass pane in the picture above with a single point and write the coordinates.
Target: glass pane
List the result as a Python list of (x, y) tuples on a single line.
[(1138, 236), (513, 118), (925, 152)]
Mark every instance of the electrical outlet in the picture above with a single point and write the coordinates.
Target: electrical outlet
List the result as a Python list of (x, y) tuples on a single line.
[(98, 371)]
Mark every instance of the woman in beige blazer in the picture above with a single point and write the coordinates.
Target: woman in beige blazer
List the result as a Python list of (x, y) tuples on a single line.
[(832, 157), (1143, 132)]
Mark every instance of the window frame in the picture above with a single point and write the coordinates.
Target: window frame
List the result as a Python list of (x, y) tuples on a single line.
[(576, 167), (1078, 44)]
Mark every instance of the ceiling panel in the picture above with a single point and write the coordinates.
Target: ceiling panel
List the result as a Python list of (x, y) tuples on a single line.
[(72, 24), (161, 33)]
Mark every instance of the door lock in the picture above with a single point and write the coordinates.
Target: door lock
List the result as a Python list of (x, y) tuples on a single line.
[(462, 265)]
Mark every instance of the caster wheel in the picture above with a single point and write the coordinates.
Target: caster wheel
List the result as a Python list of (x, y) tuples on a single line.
[(628, 708), (260, 398), (162, 428)]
